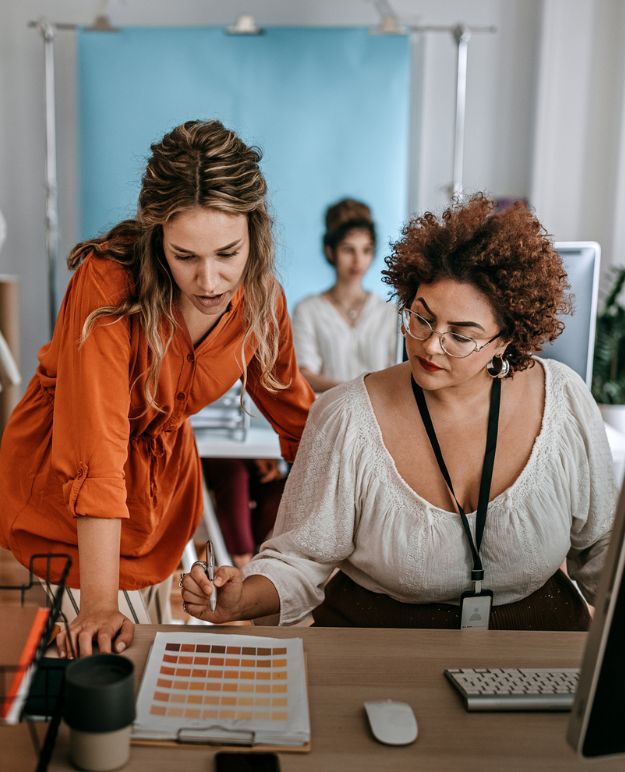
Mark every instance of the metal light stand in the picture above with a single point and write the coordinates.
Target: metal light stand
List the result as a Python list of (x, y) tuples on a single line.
[(47, 31), (462, 35)]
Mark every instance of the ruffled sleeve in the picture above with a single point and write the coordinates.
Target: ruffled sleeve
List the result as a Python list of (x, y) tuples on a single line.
[(594, 498), (317, 522)]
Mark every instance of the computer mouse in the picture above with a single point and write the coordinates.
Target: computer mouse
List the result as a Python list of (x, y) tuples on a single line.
[(392, 722)]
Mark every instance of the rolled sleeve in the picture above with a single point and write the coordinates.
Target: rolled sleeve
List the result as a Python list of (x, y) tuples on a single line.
[(91, 430), (87, 496)]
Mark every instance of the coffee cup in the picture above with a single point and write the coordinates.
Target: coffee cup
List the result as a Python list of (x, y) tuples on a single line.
[(99, 708)]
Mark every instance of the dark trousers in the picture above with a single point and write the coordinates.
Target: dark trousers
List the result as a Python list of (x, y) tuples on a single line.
[(557, 605), (246, 508)]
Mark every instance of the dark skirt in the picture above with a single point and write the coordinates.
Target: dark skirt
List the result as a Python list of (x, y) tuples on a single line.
[(557, 605)]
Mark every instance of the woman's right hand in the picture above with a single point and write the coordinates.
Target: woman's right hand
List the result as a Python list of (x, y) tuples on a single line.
[(197, 591), (108, 627)]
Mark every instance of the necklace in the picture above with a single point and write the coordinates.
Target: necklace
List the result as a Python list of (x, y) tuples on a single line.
[(351, 311)]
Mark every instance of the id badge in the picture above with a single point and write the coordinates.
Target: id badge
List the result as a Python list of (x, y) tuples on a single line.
[(475, 609)]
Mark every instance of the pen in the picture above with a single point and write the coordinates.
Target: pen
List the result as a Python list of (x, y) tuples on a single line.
[(210, 573)]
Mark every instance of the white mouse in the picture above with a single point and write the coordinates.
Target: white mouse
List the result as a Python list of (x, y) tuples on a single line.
[(392, 722)]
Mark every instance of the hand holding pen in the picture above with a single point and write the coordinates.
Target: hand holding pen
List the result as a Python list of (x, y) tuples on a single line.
[(199, 590)]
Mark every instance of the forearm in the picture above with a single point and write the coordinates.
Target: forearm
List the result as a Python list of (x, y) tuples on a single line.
[(259, 598), (98, 551), (318, 382)]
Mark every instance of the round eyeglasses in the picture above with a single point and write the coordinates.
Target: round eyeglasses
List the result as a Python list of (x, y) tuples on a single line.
[(452, 343)]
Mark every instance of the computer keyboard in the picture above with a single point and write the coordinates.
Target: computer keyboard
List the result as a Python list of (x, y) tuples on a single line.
[(512, 688)]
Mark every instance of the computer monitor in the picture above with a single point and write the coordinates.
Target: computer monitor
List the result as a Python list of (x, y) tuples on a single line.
[(596, 726), (576, 345)]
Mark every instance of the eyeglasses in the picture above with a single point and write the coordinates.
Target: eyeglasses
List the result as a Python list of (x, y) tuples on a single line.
[(453, 344)]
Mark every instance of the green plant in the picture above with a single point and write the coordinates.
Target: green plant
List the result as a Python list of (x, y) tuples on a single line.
[(608, 380)]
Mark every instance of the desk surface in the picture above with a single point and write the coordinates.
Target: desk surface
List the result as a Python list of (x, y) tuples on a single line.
[(348, 666)]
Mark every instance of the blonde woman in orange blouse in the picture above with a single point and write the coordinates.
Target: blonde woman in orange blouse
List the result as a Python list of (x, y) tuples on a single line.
[(162, 315)]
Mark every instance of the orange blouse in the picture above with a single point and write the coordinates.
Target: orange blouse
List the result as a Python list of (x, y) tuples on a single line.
[(83, 442)]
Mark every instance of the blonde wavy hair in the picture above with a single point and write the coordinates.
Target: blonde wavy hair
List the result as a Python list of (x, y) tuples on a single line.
[(199, 163)]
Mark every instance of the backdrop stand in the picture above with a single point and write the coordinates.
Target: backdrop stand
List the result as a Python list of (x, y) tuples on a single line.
[(462, 35)]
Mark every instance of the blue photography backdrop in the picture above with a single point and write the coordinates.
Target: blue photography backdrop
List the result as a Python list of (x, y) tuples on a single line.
[(328, 107)]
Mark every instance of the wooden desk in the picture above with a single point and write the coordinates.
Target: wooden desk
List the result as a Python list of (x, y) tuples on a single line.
[(347, 667)]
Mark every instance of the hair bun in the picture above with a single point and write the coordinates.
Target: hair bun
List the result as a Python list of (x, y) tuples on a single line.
[(346, 210)]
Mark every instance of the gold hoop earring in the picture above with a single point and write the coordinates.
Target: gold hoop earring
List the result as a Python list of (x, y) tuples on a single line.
[(498, 369)]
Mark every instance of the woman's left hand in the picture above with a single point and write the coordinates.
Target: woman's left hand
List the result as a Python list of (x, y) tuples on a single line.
[(269, 469)]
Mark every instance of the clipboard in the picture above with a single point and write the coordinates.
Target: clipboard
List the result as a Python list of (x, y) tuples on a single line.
[(306, 748), (209, 678)]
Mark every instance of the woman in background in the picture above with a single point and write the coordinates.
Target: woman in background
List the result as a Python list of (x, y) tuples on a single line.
[(161, 317), (345, 330)]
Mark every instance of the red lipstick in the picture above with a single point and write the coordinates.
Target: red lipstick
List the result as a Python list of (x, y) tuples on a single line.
[(429, 367)]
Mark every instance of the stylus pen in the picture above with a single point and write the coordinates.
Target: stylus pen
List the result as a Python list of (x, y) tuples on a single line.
[(210, 573)]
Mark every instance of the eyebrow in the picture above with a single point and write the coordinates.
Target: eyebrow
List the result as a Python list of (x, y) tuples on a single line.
[(451, 324), (232, 244)]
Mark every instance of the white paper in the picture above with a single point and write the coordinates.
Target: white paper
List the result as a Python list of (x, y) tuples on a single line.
[(252, 692)]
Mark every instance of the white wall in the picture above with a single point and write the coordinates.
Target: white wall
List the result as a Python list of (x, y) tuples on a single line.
[(507, 97), (578, 181), (501, 87)]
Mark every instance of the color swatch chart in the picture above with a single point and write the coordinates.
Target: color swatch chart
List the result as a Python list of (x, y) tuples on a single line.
[(215, 682)]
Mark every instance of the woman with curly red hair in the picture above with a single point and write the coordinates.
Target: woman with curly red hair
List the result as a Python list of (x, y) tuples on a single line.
[(448, 489)]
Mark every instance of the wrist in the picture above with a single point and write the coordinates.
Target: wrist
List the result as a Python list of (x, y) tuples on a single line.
[(98, 602)]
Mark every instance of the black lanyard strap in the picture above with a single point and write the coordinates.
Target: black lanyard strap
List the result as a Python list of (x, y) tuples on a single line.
[(477, 573)]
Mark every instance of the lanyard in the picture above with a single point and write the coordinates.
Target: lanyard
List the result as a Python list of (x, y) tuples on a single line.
[(477, 573)]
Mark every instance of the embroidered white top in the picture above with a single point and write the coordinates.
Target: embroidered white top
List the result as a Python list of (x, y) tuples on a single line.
[(346, 506), (327, 345)]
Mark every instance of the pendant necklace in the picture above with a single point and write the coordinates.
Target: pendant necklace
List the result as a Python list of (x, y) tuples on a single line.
[(352, 311)]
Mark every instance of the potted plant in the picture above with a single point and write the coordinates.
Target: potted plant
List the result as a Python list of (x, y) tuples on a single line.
[(608, 381)]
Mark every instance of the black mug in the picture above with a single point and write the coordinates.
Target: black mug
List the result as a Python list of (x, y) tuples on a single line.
[(99, 708)]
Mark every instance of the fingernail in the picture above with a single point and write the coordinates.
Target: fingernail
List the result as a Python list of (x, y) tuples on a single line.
[(120, 646)]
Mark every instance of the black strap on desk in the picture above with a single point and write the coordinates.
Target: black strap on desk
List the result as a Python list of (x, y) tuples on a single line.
[(477, 573)]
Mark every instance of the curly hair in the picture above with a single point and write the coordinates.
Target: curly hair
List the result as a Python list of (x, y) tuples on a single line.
[(199, 163), (505, 254)]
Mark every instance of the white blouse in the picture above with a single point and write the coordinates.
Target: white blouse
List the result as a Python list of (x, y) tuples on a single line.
[(345, 505), (327, 345)]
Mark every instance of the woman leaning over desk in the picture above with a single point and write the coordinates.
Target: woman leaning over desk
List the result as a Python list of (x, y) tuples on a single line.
[(161, 317), (480, 291)]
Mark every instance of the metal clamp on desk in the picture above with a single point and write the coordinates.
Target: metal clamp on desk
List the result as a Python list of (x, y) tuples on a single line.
[(220, 736)]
